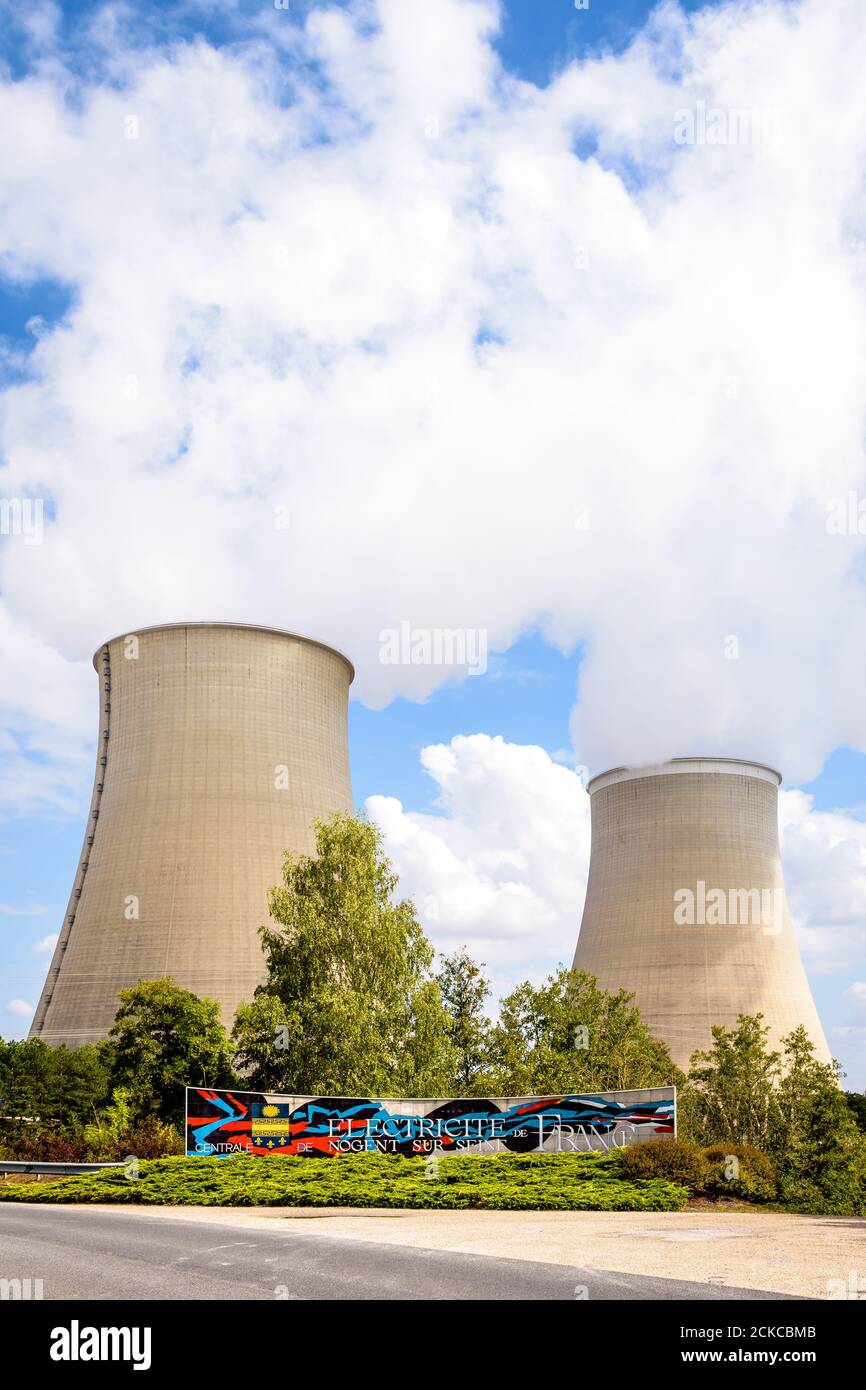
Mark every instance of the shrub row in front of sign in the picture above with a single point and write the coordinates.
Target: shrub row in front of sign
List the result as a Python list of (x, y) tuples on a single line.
[(515, 1182)]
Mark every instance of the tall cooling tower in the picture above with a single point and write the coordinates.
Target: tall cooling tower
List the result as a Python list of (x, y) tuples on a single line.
[(219, 745), (685, 903)]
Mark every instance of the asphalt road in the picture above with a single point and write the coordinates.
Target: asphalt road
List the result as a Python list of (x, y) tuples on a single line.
[(92, 1254)]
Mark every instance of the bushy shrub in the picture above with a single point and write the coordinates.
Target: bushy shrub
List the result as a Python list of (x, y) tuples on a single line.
[(740, 1170), (151, 1138), (506, 1182), (37, 1143), (116, 1134), (673, 1160)]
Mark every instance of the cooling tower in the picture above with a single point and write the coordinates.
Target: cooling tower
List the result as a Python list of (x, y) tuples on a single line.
[(219, 745), (685, 903)]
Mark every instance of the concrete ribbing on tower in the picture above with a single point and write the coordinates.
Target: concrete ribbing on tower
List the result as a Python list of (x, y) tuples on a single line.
[(219, 745), (705, 827)]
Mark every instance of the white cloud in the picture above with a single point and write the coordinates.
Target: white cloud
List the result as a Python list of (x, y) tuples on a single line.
[(501, 868), (19, 1008), (277, 304), (48, 715), (45, 944), (824, 853), (21, 909), (857, 992)]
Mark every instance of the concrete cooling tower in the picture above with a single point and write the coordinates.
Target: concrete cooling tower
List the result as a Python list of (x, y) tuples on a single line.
[(219, 745), (685, 903)]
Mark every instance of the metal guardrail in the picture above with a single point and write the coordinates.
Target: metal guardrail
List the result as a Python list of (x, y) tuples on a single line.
[(57, 1170)]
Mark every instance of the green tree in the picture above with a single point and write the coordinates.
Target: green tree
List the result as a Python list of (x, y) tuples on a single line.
[(266, 1041), (111, 1125), (732, 1091), (788, 1104), (349, 1005), (857, 1105), (27, 1070), (465, 990), (82, 1081), (166, 1038), (814, 1138), (570, 1035), (62, 1085)]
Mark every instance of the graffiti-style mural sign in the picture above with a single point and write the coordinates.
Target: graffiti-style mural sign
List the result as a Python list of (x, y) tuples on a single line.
[(222, 1123)]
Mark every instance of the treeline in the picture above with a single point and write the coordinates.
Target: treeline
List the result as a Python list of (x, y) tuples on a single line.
[(353, 1003), (128, 1092)]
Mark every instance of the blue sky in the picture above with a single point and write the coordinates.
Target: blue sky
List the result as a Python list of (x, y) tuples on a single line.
[(537, 36), (529, 691)]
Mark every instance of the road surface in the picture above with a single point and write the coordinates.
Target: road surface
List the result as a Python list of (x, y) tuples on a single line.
[(86, 1253)]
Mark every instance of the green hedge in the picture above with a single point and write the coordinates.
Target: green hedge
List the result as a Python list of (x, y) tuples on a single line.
[(508, 1182)]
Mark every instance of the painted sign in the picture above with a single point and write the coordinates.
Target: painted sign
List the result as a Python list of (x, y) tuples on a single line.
[(222, 1123)]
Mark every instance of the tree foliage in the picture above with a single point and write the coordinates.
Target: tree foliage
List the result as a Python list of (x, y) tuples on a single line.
[(349, 1005), (465, 991), (166, 1038), (53, 1084), (818, 1147), (857, 1105), (732, 1087), (788, 1104), (570, 1035)]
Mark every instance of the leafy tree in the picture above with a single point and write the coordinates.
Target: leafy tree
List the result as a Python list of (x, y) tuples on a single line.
[(53, 1084), (731, 1095), (166, 1038), (82, 1081), (27, 1072), (857, 1105), (570, 1035), (349, 1005), (788, 1104), (814, 1138), (465, 990), (266, 1041)]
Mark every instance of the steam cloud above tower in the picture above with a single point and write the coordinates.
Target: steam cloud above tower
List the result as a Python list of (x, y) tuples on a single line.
[(471, 351)]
